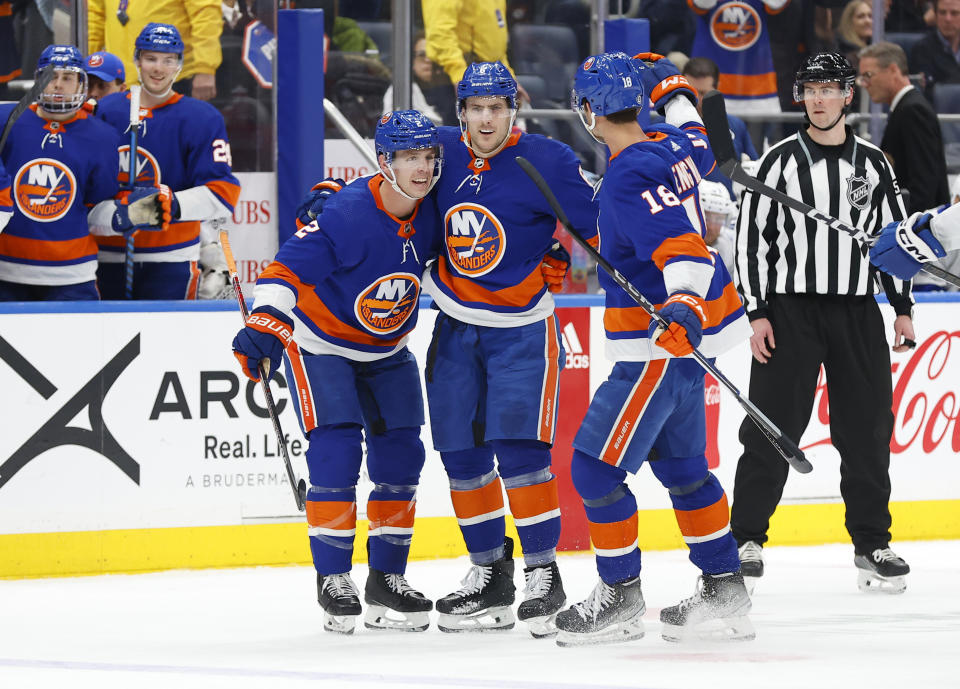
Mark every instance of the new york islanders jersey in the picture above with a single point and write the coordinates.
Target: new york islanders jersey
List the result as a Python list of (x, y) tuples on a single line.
[(651, 230), (497, 228), (733, 34), (352, 278), (183, 144), (56, 169), (6, 201)]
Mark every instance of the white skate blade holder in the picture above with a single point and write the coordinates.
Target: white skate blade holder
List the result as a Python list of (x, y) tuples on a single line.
[(738, 628), (871, 582), (339, 624), (382, 618), (488, 620), (544, 627), (750, 583), (626, 630)]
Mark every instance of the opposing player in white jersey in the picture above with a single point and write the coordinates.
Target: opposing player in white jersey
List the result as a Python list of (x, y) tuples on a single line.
[(905, 246), (341, 298)]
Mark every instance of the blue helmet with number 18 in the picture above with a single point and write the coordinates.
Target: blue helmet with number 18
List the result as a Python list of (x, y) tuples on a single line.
[(65, 58), (610, 82), (406, 130)]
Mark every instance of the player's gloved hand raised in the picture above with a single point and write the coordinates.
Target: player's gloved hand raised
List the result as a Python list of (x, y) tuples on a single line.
[(312, 204), (662, 80), (685, 315), (554, 268), (903, 247), (134, 210), (267, 333)]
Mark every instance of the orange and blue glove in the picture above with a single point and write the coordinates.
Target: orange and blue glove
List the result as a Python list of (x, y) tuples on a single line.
[(662, 81), (554, 268), (312, 204), (685, 314), (267, 334)]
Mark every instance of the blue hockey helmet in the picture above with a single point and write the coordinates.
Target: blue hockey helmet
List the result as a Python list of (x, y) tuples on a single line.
[(610, 82), (404, 130), (160, 38), (487, 79), (67, 58)]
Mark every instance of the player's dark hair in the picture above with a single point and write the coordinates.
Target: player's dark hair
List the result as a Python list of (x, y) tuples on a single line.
[(624, 116), (699, 67)]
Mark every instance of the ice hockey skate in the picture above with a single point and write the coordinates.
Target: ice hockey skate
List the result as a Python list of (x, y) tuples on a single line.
[(543, 597), (751, 564), (483, 602), (882, 571), (340, 600), (611, 614), (393, 604), (716, 612)]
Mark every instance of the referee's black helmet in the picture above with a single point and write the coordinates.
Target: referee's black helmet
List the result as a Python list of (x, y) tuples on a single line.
[(826, 67)]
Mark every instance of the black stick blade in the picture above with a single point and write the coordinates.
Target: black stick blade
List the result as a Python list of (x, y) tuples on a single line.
[(718, 131)]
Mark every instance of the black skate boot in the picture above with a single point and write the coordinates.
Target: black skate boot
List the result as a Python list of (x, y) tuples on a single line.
[(543, 597), (717, 611), (751, 564), (611, 614), (340, 600), (882, 571), (483, 603), (393, 604)]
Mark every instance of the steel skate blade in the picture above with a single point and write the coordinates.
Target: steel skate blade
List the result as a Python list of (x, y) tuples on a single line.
[(544, 627), (738, 628), (614, 634), (339, 624), (750, 583), (382, 618), (871, 582), (489, 620)]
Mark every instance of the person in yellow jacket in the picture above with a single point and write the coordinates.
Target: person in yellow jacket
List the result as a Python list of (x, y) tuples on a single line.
[(113, 25), (463, 31)]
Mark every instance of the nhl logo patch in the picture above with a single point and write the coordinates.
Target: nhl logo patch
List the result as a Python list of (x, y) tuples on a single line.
[(858, 191)]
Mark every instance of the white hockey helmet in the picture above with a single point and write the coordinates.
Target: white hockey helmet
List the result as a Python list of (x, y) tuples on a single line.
[(714, 198)]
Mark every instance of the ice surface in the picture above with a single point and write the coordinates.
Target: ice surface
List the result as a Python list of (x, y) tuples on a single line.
[(261, 627)]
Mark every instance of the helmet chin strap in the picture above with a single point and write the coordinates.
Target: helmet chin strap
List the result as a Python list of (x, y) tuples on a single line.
[(169, 88), (466, 137), (824, 129), (590, 127), (392, 178)]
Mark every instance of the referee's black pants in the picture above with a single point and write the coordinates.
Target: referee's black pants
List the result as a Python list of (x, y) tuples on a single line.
[(846, 335)]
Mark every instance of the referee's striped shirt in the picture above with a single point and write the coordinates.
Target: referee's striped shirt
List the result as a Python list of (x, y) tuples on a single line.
[(781, 251)]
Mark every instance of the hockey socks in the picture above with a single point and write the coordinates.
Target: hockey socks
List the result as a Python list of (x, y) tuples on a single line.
[(332, 525), (390, 510)]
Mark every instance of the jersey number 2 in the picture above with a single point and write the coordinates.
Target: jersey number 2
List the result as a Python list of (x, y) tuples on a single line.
[(667, 196)]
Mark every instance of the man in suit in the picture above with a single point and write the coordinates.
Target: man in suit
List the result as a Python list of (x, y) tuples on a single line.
[(912, 140), (937, 55)]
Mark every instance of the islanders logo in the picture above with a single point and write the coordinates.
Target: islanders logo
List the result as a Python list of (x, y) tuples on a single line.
[(384, 306), (475, 239), (44, 189), (148, 169), (735, 25), (95, 60)]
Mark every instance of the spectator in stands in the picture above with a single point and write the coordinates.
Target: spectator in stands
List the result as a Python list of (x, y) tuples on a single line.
[(114, 25), (855, 29), (463, 31), (703, 74), (430, 91), (909, 16), (33, 28), (9, 59), (105, 75), (937, 55)]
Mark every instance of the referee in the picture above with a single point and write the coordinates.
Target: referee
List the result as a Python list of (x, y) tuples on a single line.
[(808, 291)]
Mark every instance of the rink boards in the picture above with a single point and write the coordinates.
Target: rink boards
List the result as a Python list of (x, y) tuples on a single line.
[(132, 442)]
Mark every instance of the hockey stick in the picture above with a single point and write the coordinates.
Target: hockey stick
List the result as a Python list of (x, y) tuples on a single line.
[(299, 486), (132, 160), (786, 447), (718, 130), (39, 84)]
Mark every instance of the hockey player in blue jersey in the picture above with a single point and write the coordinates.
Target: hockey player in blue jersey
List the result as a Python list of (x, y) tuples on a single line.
[(493, 365), (340, 298), (60, 159), (651, 407), (184, 151)]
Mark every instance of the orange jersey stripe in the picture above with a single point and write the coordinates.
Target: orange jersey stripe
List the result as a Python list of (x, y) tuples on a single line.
[(194, 285), (632, 411), (228, 191), (177, 234), (548, 399), (43, 250), (469, 291), (317, 312), (531, 501), (630, 318), (338, 515), (396, 513), (689, 244), (704, 521), (304, 396), (5, 199), (615, 534), (473, 503), (748, 84)]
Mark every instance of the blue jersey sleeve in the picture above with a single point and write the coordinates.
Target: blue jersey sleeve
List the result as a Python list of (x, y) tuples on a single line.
[(208, 156), (324, 247)]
